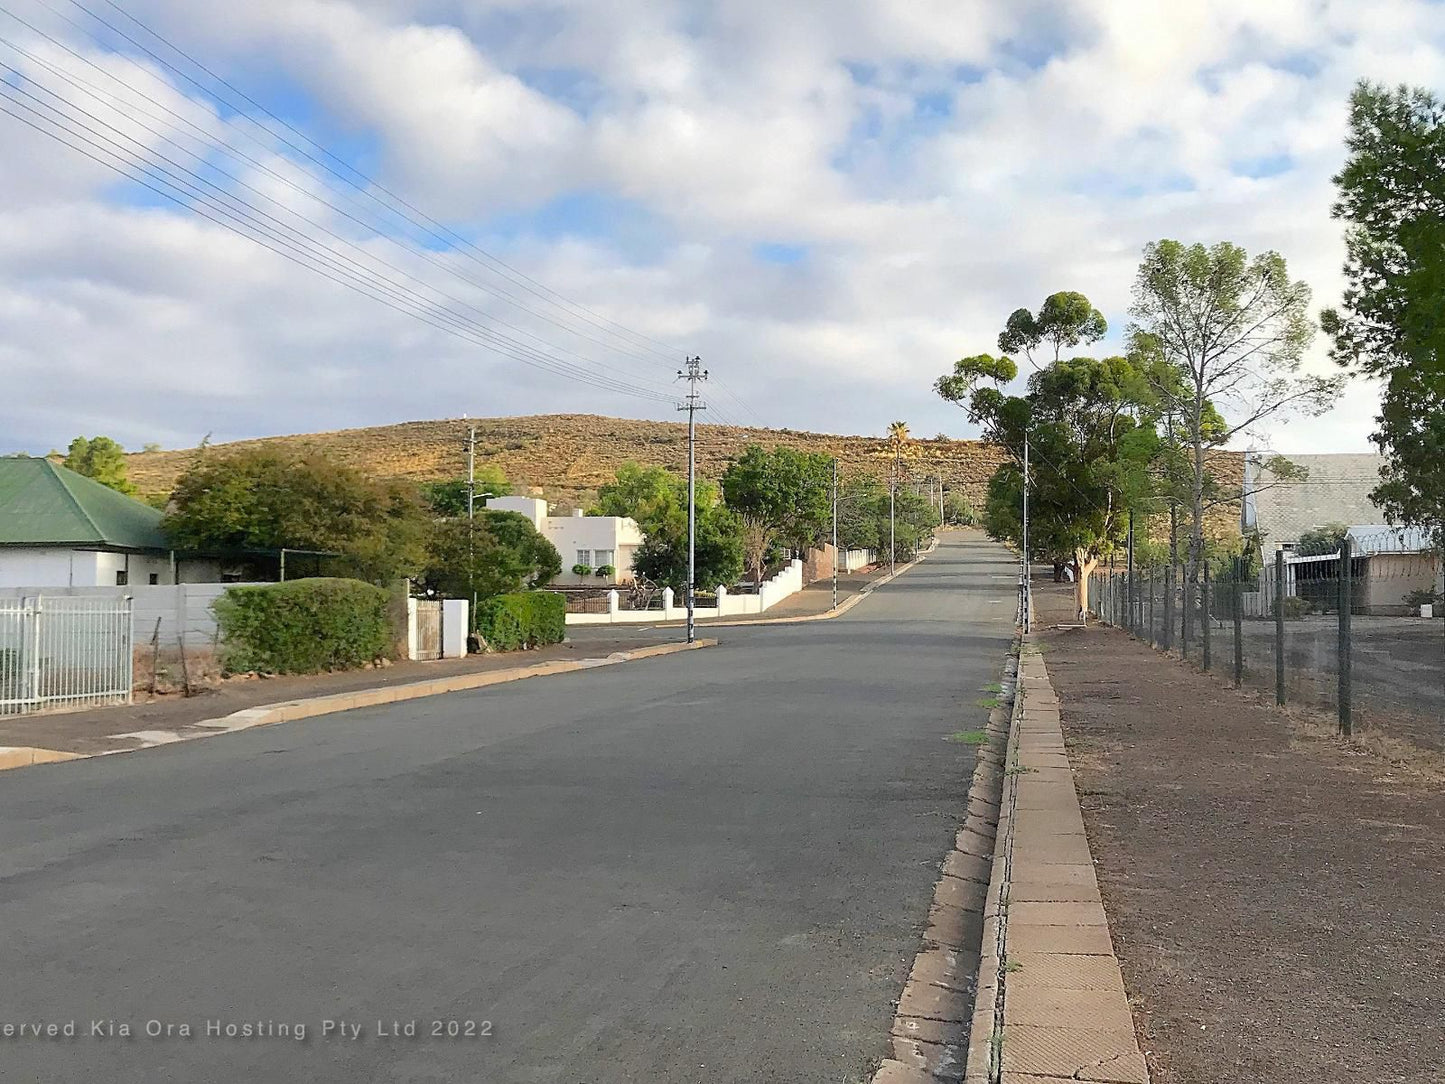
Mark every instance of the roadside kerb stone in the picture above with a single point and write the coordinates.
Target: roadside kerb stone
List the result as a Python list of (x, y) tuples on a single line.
[(938, 1011), (1057, 1007), (291, 710)]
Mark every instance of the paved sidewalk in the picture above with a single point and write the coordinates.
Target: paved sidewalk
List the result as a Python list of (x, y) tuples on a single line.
[(97, 730), (1051, 1004)]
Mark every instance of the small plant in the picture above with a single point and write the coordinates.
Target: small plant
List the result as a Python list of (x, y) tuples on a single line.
[(1019, 769), (1295, 608), (607, 571), (993, 687), (988, 702), (581, 570), (1416, 599), (969, 737), (1012, 966)]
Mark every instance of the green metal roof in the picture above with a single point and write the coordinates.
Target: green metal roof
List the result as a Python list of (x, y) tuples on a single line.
[(42, 504)]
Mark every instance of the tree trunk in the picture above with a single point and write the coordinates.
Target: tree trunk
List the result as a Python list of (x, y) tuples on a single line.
[(1084, 566)]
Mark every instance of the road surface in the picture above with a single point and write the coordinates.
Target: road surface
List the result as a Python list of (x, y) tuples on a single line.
[(708, 867)]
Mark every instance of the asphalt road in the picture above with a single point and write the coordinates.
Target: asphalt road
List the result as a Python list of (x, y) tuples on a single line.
[(707, 867)]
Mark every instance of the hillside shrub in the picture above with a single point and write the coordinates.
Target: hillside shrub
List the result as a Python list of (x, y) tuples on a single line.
[(524, 619), (302, 626)]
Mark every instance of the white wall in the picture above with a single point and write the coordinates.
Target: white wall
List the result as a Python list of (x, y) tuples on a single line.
[(183, 609), (787, 582), (52, 566)]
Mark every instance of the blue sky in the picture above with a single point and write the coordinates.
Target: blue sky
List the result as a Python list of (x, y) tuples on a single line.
[(829, 201)]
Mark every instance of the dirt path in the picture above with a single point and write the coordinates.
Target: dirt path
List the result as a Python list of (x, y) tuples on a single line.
[(1277, 899)]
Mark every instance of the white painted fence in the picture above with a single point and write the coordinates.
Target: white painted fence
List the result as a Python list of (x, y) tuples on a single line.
[(787, 582), (167, 611), (64, 652)]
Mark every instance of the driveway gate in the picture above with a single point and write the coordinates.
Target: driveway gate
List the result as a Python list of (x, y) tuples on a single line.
[(428, 629), (64, 651)]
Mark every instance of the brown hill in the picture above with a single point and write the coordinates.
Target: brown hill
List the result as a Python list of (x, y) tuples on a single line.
[(567, 456)]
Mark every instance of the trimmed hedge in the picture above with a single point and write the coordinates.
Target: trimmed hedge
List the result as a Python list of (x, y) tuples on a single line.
[(524, 619), (303, 626)]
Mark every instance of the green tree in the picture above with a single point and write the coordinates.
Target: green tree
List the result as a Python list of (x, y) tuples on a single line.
[(102, 459), (263, 499), (495, 553), (957, 511), (1092, 442), (1234, 330), (1322, 540), (1065, 319), (782, 496), (449, 497), (657, 500), (1392, 322)]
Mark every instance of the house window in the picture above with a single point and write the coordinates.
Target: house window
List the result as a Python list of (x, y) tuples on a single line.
[(584, 557), (155, 578), (604, 557), (122, 578)]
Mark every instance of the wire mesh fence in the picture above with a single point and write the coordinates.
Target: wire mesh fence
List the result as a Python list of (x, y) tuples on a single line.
[(60, 652), (1360, 632)]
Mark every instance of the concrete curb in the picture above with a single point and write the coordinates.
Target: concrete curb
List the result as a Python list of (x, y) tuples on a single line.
[(290, 710), (1050, 1002), (937, 1014)]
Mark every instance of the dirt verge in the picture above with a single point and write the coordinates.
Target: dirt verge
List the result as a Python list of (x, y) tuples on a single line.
[(1275, 894)]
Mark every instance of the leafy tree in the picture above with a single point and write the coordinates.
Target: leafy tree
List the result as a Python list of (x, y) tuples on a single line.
[(1392, 322), (1091, 438), (495, 553), (1065, 319), (449, 497), (102, 459), (957, 511), (264, 499), (1234, 329), (657, 500), (781, 495), (1322, 540)]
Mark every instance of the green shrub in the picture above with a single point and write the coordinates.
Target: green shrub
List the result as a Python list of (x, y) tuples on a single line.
[(303, 626), (581, 570), (1295, 608), (607, 571), (525, 619)]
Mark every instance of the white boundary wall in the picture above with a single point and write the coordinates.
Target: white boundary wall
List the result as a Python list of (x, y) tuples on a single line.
[(181, 609), (786, 583)]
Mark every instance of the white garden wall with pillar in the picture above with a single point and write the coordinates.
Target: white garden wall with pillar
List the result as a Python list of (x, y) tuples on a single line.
[(787, 582), (594, 541)]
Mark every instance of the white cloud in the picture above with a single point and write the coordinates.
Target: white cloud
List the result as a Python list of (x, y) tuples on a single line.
[(1059, 138)]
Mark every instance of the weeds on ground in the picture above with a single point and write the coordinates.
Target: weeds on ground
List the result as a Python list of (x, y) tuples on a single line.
[(992, 687), (988, 702), (969, 737)]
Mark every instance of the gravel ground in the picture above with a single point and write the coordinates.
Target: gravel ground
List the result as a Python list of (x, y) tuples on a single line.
[(1274, 894)]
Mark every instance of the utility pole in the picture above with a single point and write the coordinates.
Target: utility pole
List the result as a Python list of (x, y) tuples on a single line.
[(835, 532), (471, 518), (1024, 581), (892, 538), (692, 373)]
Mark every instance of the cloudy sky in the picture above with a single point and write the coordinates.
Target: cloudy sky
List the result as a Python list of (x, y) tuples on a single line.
[(404, 209)]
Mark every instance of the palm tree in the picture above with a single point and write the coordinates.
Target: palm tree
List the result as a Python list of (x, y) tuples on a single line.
[(897, 436)]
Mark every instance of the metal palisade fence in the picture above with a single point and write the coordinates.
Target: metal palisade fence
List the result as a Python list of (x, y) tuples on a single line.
[(1360, 631), (58, 652)]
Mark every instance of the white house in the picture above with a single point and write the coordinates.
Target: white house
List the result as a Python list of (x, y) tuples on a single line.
[(61, 529), (593, 541)]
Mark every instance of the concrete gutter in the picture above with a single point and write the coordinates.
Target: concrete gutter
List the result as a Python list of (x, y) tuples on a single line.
[(1050, 1003), (931, 1030), (289, 710)]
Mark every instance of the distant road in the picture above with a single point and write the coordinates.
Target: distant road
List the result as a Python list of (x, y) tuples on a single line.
[(708, 867)]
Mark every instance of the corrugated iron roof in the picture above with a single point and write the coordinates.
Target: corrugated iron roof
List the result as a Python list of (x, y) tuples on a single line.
[(42, 504)]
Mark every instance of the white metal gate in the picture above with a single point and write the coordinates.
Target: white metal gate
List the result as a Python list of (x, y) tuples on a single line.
[(59, 651)]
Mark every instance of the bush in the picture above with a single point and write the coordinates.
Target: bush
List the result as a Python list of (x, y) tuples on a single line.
[(607, 571), (303, 626), (525, 619), (1295, 608), (581, 570)]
